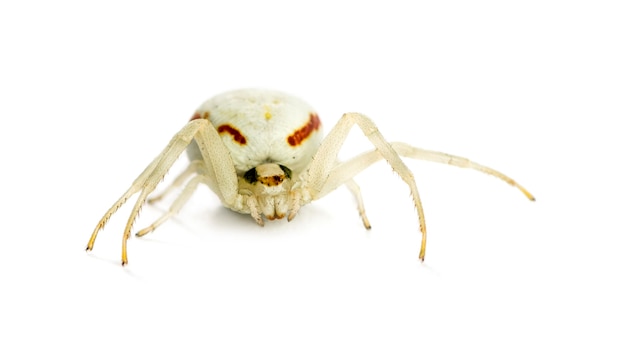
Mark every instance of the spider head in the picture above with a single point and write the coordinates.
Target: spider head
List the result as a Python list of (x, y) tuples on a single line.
[(270, 185), (268, 175)]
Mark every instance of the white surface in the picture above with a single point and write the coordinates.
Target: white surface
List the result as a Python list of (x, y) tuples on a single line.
[(90, 94)]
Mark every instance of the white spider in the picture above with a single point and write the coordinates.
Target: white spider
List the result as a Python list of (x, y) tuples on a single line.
[(263, 154)]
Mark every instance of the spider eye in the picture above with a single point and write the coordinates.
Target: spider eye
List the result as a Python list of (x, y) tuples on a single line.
[(286, 170), (251, 175), (268, 174)]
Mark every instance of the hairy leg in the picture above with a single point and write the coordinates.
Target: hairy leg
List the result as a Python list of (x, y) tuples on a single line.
[(350, 168), (180, 201), (217, 160), (315, 183)]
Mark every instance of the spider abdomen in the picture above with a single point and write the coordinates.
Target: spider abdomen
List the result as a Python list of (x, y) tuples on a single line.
[(260, 126)]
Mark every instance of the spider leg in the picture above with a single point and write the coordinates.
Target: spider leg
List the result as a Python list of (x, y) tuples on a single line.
[(217, 158), (134, 188), (323, 164), (180, 201), (192, 168), (356, 191), (345, 170), (409, 151), (218, 166)]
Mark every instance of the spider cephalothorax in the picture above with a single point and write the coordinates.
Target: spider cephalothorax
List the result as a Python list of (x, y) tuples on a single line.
[(263, 154), (268, 186)]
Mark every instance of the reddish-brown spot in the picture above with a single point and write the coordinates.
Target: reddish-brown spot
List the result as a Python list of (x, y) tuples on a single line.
[(198, 115), (233, 132), (303, 133), (272, 181)]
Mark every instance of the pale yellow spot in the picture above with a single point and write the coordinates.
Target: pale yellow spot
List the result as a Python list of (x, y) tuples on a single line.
[(268, 114)]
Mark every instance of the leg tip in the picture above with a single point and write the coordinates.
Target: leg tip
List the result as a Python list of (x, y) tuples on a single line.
[(526, 193), (366, 223)]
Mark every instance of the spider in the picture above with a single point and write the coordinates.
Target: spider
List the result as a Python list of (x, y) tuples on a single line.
[(262, 153)]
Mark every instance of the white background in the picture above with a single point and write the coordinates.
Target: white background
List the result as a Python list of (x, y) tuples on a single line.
[(91, 93)]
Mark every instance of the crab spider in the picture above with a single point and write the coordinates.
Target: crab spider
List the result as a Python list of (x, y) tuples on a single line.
[(262, 153)]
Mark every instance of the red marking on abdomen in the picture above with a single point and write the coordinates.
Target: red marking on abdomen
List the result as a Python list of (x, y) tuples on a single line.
[(303, 133), (232, 131)]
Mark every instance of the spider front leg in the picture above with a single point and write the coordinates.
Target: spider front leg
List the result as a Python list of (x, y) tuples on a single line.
[(191, 169), (216, 161), (323, 166)]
